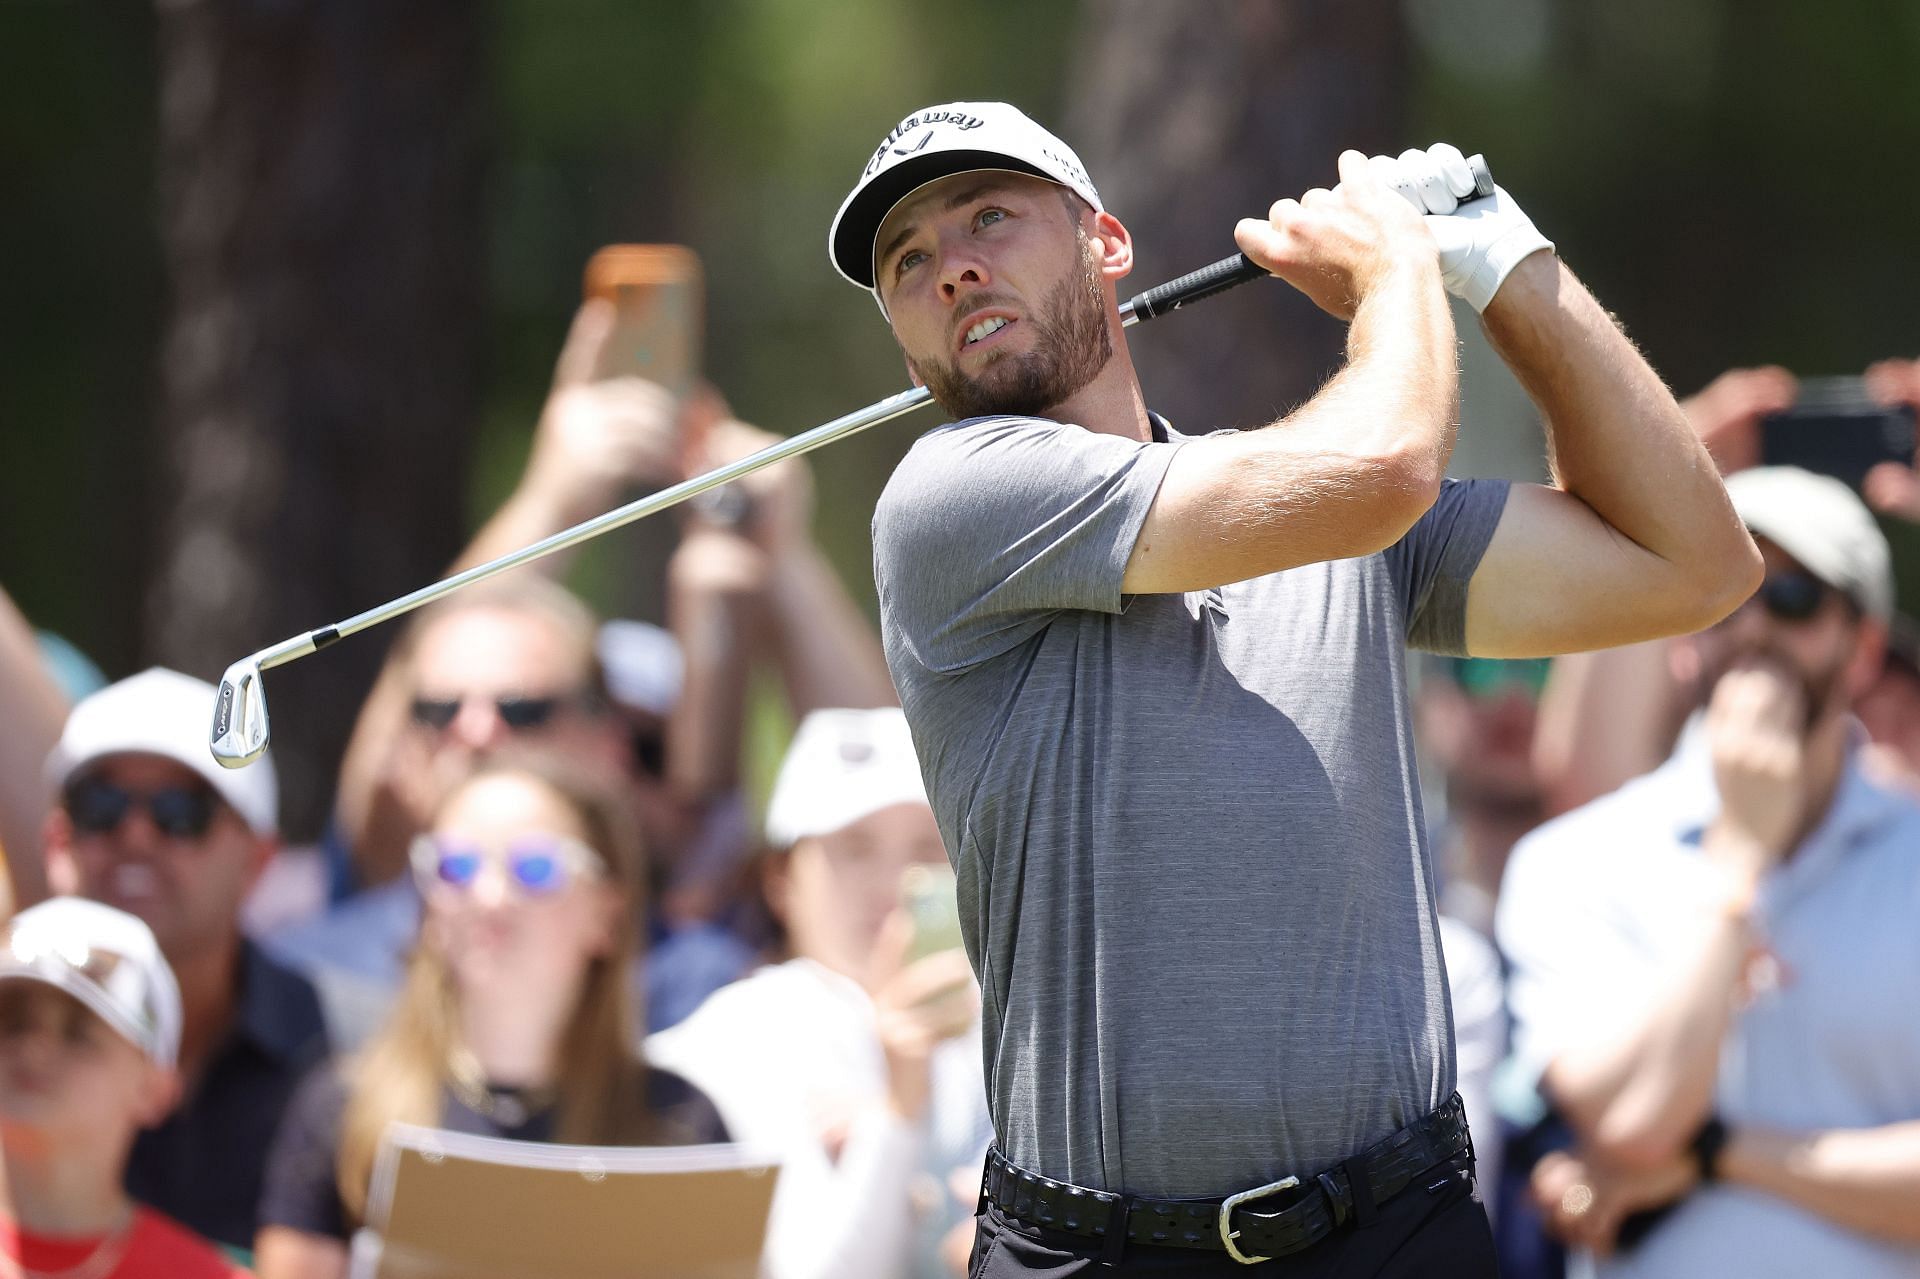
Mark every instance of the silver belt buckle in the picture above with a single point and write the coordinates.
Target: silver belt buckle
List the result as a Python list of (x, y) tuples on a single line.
[(1228, 1234)]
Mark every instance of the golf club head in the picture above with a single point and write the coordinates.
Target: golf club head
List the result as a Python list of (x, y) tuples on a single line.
[(240, 715)]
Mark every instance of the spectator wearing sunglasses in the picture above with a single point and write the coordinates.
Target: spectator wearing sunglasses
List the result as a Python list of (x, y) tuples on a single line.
[(146, 822), (1713, 968), (1474, 719), (89, 1037), (515, 1021), (512, 664), (858, 1057)]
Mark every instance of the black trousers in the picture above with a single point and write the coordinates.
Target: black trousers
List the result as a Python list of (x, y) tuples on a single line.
[(1434, 1227)]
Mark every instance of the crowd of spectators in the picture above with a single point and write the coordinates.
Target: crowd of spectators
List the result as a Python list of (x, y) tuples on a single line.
[(1677, 886)]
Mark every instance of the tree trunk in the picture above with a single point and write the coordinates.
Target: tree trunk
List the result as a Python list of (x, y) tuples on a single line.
[(321, 216), (1193, 115)]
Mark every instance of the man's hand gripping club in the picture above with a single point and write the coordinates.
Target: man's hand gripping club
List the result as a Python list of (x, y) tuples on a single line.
[(1479, 240), (1338, 246)]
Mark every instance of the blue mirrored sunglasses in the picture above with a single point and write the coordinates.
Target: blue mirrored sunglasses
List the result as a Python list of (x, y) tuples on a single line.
[(535, 865)]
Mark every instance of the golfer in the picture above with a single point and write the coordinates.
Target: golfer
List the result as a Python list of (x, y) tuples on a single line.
[(1157, 683)]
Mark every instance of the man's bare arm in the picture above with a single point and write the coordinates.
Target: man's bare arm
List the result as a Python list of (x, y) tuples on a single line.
[(34, 709), (1639, 1093), (1352, 470), (1866, 1179), (1638, 539), (1639, 1096)]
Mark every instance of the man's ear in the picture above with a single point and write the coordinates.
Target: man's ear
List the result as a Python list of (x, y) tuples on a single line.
[(776, 883), (56, 837), (159, 1094), (262, 848), (1112, 246), (1868, 657)]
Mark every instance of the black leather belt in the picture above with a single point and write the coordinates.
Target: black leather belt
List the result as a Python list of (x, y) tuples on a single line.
[(1291, 1214)]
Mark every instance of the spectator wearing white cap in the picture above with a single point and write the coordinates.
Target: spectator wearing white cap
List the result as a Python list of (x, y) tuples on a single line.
[(148, 823), (89, 1034), (1713, 968), (859, 1056)]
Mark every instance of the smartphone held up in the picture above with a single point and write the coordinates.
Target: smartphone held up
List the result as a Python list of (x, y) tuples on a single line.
[(657, 294), (1837, 428)]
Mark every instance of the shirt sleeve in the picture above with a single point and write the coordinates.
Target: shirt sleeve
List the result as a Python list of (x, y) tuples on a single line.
[(302, 1189), (988, 528), (1435, 561)]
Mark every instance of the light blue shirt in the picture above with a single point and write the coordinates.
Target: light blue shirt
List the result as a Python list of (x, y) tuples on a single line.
[(1600, 908)]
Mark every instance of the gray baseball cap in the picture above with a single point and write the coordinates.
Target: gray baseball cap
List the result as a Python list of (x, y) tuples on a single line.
[(936, 142), (1821, 523)]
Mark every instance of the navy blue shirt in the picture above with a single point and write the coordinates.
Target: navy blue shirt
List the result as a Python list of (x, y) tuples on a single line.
[(205, 1165)]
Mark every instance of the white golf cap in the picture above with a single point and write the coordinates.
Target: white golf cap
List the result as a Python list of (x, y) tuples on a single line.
[(1821, 523), (106, 959), (643, 665), (843, 765), (162, 712), (933, 143)]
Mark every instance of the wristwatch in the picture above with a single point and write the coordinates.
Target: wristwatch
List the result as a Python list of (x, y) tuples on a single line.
[(1707, 1145), (729, 506)]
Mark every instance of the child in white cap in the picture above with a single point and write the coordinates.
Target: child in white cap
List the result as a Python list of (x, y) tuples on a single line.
[(89, 1034)]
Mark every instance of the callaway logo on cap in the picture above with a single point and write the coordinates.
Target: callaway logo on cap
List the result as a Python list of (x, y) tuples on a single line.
[(934, 143)]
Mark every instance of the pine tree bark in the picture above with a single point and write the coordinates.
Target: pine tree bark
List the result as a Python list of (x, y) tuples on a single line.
[(321, 166), (1193, 115)]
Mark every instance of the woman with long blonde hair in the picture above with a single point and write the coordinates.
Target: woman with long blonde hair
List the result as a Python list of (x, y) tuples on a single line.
[(517, 1017)]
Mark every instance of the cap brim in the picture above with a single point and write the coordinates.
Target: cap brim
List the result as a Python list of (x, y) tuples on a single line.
[(860, 219)]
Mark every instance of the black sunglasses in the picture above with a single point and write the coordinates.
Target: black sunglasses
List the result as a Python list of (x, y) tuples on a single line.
[(1792, 597), (521, 714), (98, 807)]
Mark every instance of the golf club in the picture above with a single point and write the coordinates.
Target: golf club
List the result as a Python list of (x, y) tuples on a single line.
[(240, 727)]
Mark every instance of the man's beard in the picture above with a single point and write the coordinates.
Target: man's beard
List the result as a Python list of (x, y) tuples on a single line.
[(1819, 688), (1070, 345)]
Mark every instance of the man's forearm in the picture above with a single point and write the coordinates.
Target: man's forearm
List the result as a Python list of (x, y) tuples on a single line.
[(716, 609), (33, 709), (1396, 401), (1640, 1097), (1403, 371), (524, 518), (1866, 1179), (1345, 474), (828, 653), (1617, 438)]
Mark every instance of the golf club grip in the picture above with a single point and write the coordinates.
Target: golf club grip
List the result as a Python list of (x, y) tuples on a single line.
[(1227, 273)]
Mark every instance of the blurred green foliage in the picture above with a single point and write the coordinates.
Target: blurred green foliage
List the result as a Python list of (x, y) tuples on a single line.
[(1734, 178)]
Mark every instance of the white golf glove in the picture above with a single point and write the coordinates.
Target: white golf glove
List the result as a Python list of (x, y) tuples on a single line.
[(1480, 240)]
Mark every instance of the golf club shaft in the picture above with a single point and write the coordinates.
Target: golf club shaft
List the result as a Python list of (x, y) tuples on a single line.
[(1215, 278), (1221, 275), (240, 730), (653, 503)]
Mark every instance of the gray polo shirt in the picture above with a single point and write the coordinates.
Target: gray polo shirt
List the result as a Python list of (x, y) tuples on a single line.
[(1192, 866)]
